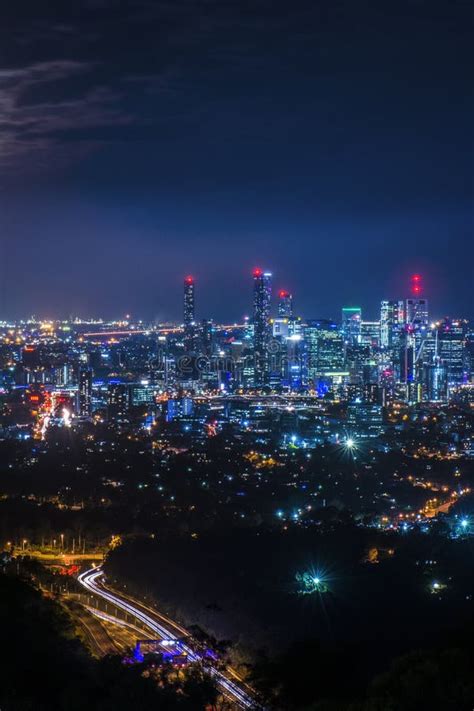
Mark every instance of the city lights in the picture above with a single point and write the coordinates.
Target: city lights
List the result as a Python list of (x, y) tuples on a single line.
[(236, 356)]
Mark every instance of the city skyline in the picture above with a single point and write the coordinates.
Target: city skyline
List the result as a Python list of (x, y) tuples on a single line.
[(332, 144), (236, 355), (281, 297)]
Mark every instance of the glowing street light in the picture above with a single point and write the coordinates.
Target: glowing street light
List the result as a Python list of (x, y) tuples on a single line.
[(350, 443), (309, 584)]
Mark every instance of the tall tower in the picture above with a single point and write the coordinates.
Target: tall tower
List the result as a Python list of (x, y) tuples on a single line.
[(188, 301), (416, 307), (188, 313), (285, 304), (262, 291), (392, 318), (416, 332)]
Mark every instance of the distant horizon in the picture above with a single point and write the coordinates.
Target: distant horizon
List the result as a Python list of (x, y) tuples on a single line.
[(372, 315), (140, 141)]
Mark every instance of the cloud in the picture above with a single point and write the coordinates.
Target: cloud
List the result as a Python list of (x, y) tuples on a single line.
[(30, 125)]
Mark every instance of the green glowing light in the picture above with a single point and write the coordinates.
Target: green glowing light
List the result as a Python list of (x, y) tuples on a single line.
[(308, 584)]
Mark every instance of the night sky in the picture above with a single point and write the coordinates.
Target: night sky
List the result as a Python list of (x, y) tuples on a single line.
[(330, 142)]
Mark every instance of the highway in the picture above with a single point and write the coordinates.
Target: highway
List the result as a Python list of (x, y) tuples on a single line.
[(159, 626)]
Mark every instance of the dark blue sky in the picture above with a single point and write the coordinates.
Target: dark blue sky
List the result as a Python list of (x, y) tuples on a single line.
[(330, 142)]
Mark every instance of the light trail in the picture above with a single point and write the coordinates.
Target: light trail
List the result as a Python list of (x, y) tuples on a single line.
[(116, 621), (90, 580)]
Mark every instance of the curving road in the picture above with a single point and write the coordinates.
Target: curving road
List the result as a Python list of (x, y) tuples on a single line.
[(160, 626)]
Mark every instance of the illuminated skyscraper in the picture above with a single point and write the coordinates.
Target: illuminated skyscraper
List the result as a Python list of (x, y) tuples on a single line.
[(415, 333), (324, 349), (435, 382), (262, 291), (188, 313), (416, 310), (285, 304), (451, 349), (392, 318), (351, 325), (370, 334), (416, 313), (188, 301)]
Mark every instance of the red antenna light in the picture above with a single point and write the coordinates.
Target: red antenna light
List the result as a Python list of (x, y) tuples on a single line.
[(284, 294), (189, 280), (416, 282), (257, 272)]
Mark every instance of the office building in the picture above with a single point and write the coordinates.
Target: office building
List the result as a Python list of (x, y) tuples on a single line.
[(351, 325), (262, 290), (285, 304)]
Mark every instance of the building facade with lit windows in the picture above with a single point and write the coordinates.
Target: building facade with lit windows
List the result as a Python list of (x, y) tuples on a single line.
[(285, 304), (324, 350), (351, 325), (262, 293), (189, 313)]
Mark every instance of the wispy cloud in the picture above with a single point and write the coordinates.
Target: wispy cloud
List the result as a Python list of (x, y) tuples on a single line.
[(29, 125)]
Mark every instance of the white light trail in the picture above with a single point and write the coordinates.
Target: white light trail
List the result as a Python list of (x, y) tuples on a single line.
[(89, 580)]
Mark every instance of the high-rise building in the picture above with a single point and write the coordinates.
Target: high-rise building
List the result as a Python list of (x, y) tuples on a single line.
[(392, 318), (351, 325), (324, 349), (435, 382), (294, 370), (207, 336), (262, 291), (451, 349), (188, 310), (416, 308), (470, 354), (85, 393), (413, 338), (416, 313), (370, 334), (280, 327), (188, 313), (285, 304)]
